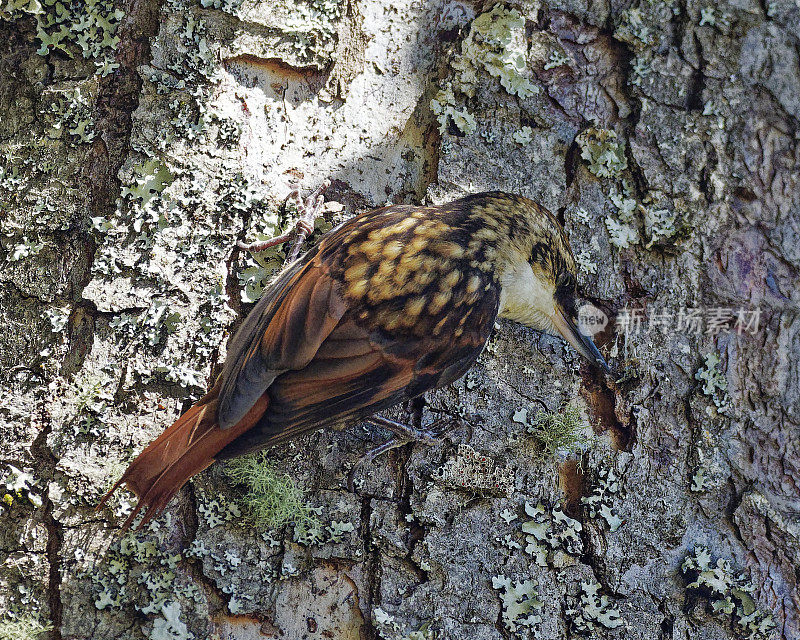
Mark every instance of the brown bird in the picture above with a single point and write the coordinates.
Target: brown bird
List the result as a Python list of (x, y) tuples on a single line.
[(390, 304)]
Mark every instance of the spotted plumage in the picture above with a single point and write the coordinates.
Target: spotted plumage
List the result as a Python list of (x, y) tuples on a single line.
[(390, 304)]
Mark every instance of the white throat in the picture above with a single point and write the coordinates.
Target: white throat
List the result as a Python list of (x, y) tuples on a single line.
[(526, 298)]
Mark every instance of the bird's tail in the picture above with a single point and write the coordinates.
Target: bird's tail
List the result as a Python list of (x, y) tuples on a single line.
[(185, 448)]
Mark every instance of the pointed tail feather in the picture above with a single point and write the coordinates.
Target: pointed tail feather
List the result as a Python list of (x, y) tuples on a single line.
[(184, 449)]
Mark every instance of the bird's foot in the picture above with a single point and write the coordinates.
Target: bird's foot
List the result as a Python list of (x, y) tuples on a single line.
[(308, 210), (404, 434)]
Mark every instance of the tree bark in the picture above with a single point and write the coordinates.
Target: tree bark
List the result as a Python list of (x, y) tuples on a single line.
[(140, 141)]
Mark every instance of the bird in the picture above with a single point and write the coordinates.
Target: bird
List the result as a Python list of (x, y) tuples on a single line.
[(389, 304)]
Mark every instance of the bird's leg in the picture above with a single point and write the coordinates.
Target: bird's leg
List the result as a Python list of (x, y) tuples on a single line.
[(404, 434), (308, 210)]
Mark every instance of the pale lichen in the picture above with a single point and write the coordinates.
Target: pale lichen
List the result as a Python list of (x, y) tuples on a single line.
[(23, 627), (591, 610), (715, 384), (550, 531), (729, 592), (88, 27), (473, 471), (520, 603), (600, 502), (604, 152), (446, 110)]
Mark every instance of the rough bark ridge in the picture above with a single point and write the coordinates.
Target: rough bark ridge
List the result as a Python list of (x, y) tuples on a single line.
[(139, 142)]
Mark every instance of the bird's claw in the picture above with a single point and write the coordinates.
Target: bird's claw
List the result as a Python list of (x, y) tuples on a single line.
[(403, 434), (308, 211)]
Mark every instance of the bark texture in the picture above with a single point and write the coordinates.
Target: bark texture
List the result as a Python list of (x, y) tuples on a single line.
[(140, 141)]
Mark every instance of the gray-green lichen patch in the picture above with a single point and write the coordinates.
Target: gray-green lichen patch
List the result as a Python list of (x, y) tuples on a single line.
[(600, 502), (23, 627), (604, 152), (146, 572), (446, 110), (714, 383), (392, 629), (474, 471), (496, 44), (551, 532), (729, 593), (88, 28), (521, 604), (591, 611)]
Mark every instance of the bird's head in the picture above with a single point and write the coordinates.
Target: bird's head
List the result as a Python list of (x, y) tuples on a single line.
[(538, 281)]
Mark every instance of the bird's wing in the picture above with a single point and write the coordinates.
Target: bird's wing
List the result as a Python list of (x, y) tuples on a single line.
[(357, 372), (283, 332)]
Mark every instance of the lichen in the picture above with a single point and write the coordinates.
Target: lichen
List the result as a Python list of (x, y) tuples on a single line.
[(562, 431), (496, 44), (476, 472), (392, 629), (557, 59), (622, 230), (604, 152), (715, 384), (446, 110), (550, 531), (20, 485), (23, 627), (170, 626), (585, 262), (312, 27), (729, 592), (85, 26), (634, 29), (600, 502), (138, 573), (523, 135), (660, 225), (70, 115), (520, 603), (592, 609)]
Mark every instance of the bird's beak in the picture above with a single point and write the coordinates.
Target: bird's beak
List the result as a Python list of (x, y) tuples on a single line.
[(581, 343)]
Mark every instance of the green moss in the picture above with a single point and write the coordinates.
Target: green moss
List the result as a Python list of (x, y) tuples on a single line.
[(271, 498), (23, 627), (562, 431)]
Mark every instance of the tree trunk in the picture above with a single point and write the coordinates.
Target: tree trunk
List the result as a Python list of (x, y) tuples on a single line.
[(139, 142)]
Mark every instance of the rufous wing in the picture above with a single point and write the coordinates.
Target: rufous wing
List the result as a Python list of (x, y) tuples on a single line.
[(283, 332), (357, 372)]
